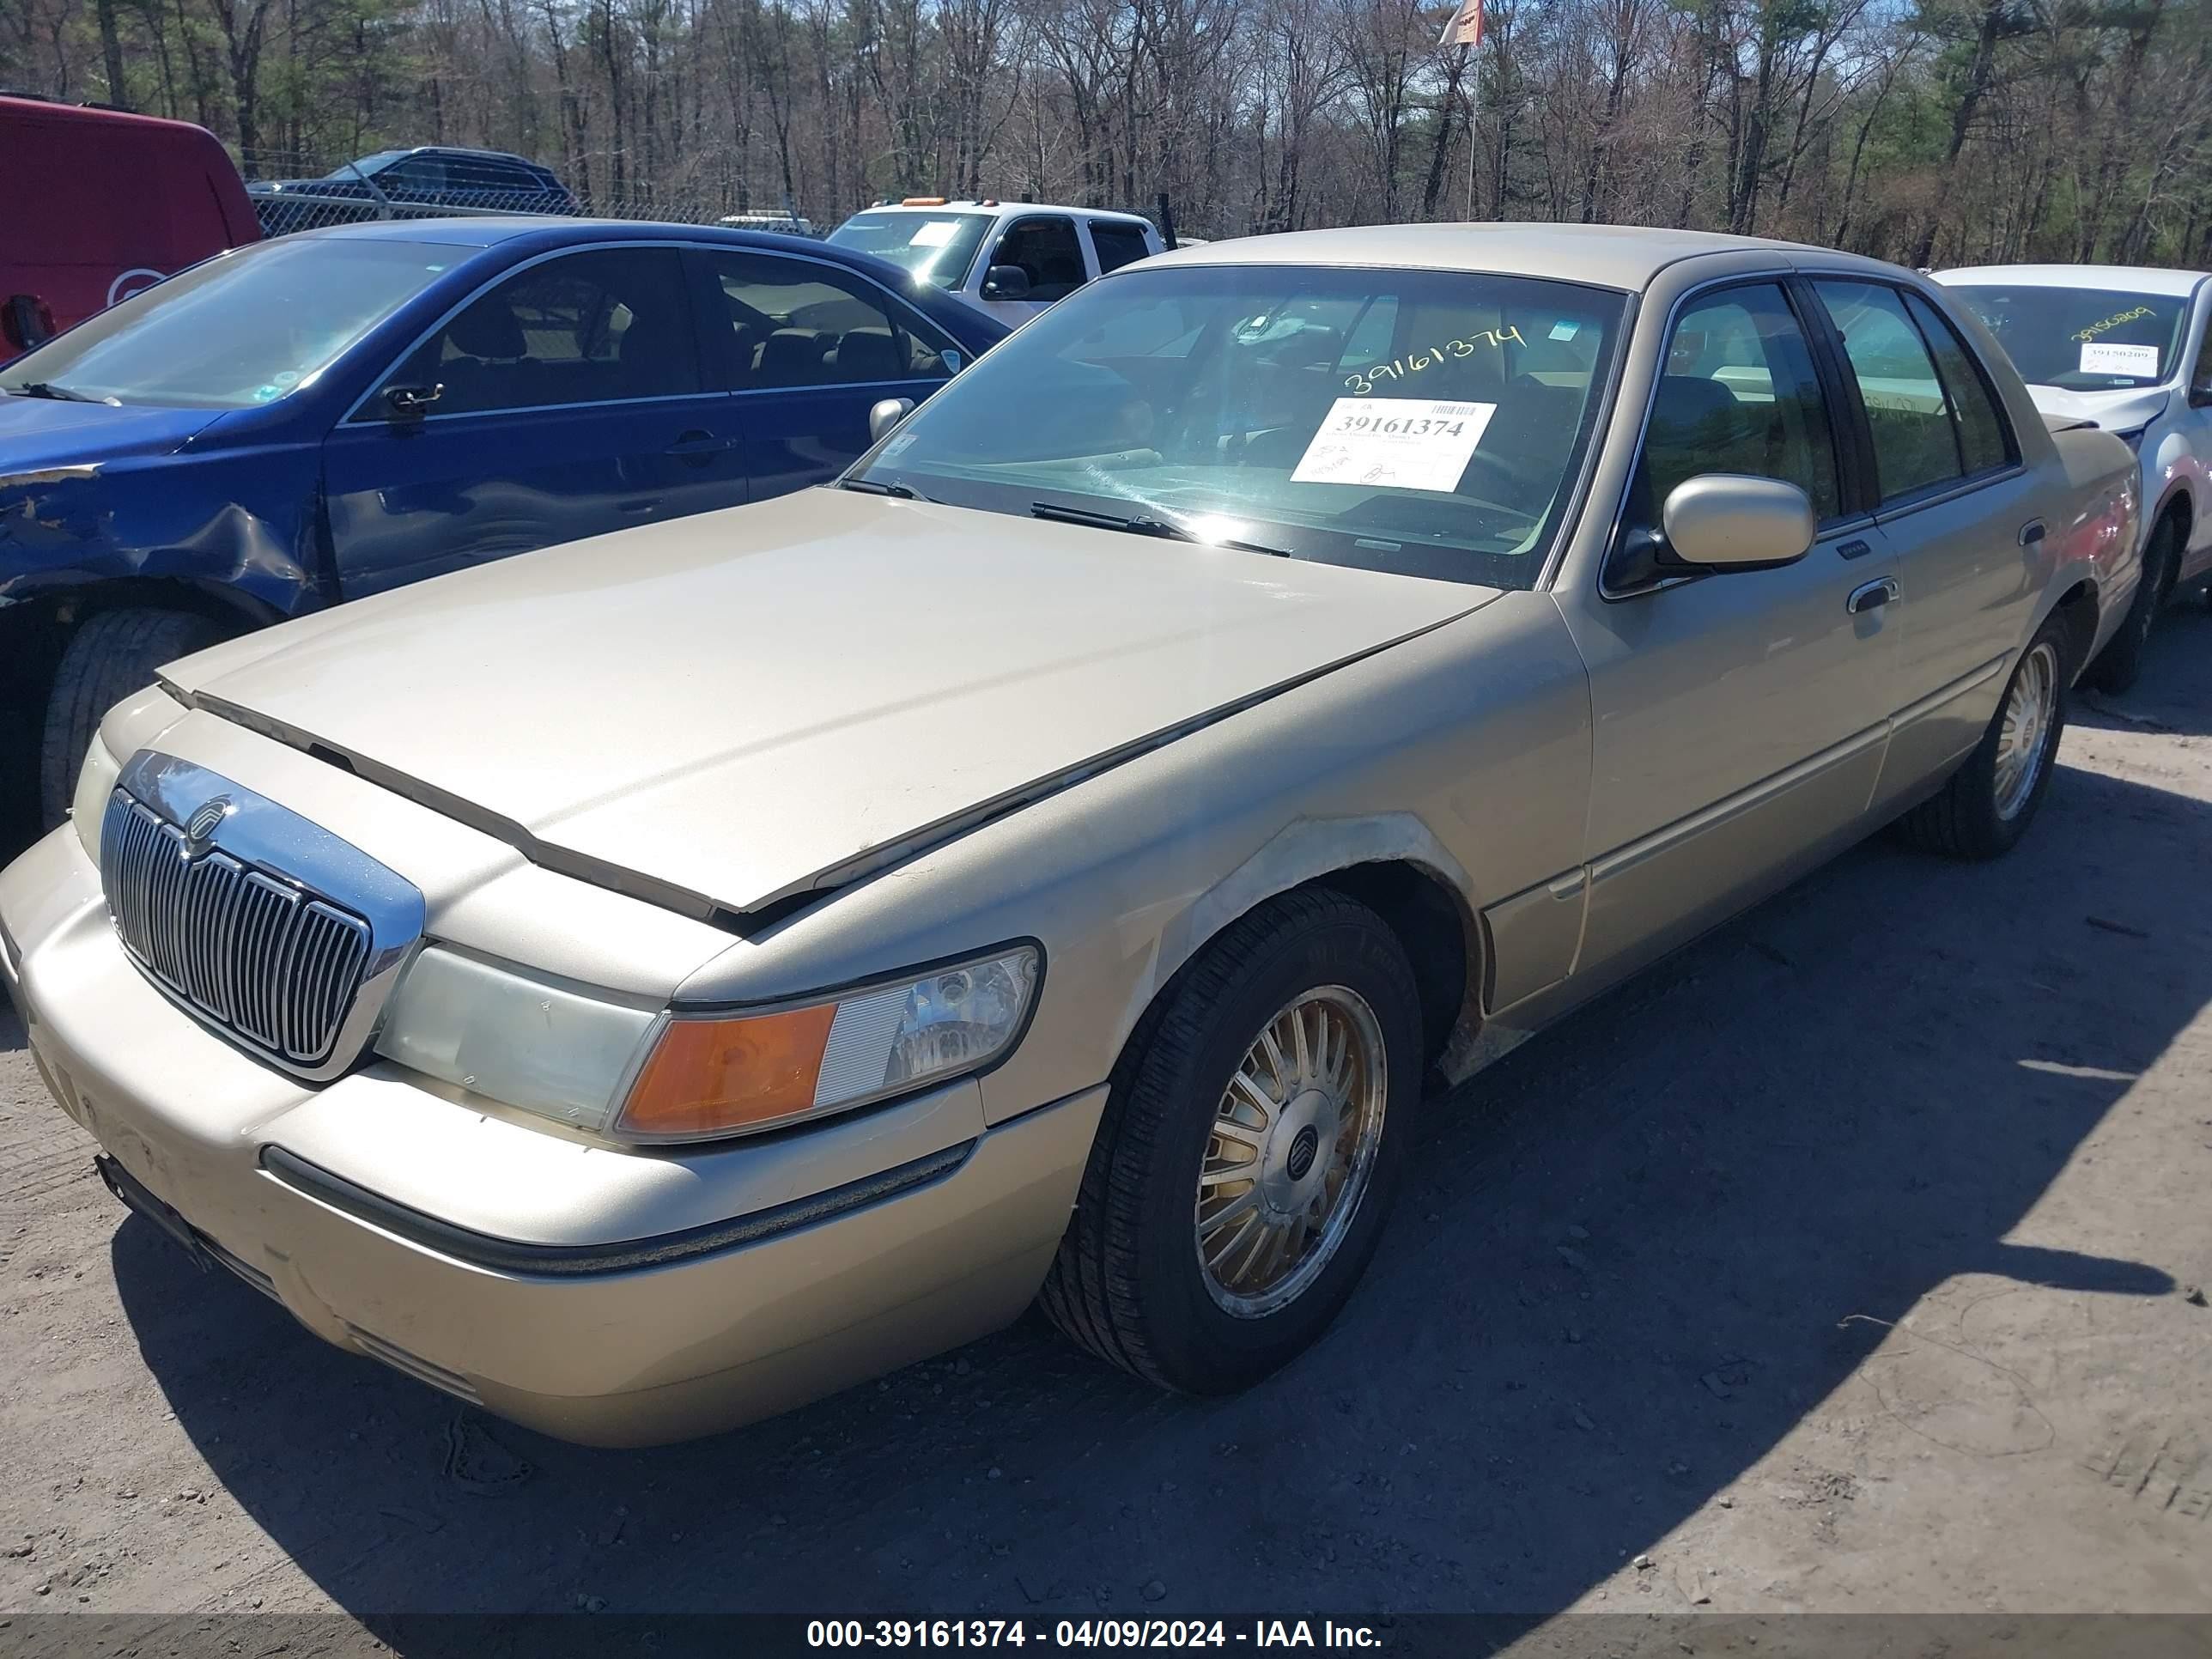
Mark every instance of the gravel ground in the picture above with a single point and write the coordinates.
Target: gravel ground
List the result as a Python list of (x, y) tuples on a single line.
[(1847, 1262)]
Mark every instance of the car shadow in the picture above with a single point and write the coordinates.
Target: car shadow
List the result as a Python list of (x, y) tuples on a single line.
[(1628, 1260), (2170, 696)]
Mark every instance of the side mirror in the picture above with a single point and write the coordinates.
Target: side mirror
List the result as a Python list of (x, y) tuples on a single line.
[(886, 414), (1726, 521), (1005, 282), (411, 402), (2200, 395)]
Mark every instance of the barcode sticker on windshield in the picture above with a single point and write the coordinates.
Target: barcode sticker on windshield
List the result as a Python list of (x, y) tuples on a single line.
[(1401, 443), (2100, 358), (935, 233)]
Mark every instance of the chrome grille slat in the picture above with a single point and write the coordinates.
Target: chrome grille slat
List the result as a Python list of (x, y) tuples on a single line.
[(273, 964)]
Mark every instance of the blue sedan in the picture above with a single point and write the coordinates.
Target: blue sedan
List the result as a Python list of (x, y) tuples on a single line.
[(337, 412)]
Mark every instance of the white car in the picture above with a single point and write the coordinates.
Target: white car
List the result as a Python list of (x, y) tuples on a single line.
[(2127, 349), (1009, 260)]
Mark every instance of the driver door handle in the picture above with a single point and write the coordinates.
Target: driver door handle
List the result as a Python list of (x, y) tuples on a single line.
[(698, 444), (1872, 596)]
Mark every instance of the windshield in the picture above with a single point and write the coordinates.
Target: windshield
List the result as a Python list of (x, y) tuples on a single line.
[(2082, 339), (937, 247), (243, 329), (1428, 422)]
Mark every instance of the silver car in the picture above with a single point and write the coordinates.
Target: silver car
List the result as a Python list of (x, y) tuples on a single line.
[(642, 985)]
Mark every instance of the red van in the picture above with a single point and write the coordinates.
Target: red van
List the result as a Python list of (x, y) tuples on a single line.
[(99, 204)]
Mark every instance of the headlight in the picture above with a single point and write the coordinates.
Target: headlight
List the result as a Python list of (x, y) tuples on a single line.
[(754, 1071), (527, 1042), (567, 1055), (95, 782)]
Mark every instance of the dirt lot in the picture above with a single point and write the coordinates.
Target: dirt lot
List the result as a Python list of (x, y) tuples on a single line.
[(1846, 1263)]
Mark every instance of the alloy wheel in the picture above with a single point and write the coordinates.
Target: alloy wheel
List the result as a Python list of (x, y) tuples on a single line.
[(1291, 1150)]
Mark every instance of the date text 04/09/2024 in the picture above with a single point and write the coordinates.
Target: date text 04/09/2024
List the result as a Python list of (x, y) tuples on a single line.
[(1086, 1633)]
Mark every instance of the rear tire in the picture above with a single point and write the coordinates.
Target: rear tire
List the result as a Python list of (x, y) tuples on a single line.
[(2120, 664), (111, 656), (1327, 1139), (1985, 808)]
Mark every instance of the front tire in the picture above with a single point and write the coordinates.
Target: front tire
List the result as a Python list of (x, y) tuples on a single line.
[(108, 658), (2120, 664), (1986, 807), (1253, 1134)]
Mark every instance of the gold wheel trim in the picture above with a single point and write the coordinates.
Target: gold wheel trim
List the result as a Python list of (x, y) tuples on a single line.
[(1290, 1152), (2031, 708)]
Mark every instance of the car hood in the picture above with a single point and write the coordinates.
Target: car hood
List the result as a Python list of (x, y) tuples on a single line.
[(43, 434), (748, 705), (2127, 410)]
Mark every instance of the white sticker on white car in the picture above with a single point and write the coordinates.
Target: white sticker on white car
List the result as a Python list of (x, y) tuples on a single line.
[(1405, 443), (933, 232), (2100, 358)]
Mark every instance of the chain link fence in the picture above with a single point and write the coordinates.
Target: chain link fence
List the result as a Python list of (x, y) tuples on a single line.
[(292, 192)]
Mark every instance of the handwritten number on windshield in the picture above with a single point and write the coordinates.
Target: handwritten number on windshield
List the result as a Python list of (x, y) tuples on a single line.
[(1363, 382)]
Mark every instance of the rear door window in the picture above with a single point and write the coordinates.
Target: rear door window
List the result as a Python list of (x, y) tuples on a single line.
[(1908, 411), (1118, 244), (1984, 441), (801, 322)]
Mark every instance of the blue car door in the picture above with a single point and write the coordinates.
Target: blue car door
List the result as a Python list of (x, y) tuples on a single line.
[(565, 401), (811, 348)]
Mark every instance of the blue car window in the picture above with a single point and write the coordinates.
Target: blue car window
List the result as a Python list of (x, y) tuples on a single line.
[(604, 325), (801, 322)]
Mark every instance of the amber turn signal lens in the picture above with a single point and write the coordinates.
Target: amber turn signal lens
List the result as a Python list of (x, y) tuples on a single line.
[(707, 1075)]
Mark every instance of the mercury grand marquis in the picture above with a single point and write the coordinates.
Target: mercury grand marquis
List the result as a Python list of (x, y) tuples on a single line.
[(642, 985)]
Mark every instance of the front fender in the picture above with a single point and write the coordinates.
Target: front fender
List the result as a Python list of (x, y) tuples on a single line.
[(238, 526)]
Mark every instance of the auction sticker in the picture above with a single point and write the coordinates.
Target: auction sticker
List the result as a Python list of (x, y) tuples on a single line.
[(2098, 358), (1406, 443)]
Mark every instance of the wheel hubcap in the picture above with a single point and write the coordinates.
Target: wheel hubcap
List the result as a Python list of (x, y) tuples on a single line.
[(1291, 1150), (2030, 708)]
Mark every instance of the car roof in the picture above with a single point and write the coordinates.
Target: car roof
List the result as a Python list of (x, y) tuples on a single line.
[(1606, 256), (470, 149), (27, 107), (527, 233), (2142, 279), (1002, 208)]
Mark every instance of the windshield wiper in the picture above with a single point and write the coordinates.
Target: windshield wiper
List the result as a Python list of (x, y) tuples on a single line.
[(877, 487), (60, 394), (1165, 529)]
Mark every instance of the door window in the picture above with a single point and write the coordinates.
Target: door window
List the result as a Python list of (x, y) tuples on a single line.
[(2201, 379), (1118, 244), (611, 325), (798, 323), (1983, 443), (1737, 394), (483, 173), (418, 175), (1049, 254), (1909, 413)]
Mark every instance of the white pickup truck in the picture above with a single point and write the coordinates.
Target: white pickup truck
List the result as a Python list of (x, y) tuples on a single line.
[(1011, 259)]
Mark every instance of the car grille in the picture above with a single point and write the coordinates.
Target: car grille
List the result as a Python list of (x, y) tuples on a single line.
[(274, 965)]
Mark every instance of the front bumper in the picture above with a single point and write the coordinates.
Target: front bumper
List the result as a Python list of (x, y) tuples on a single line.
[(604, 1296)]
